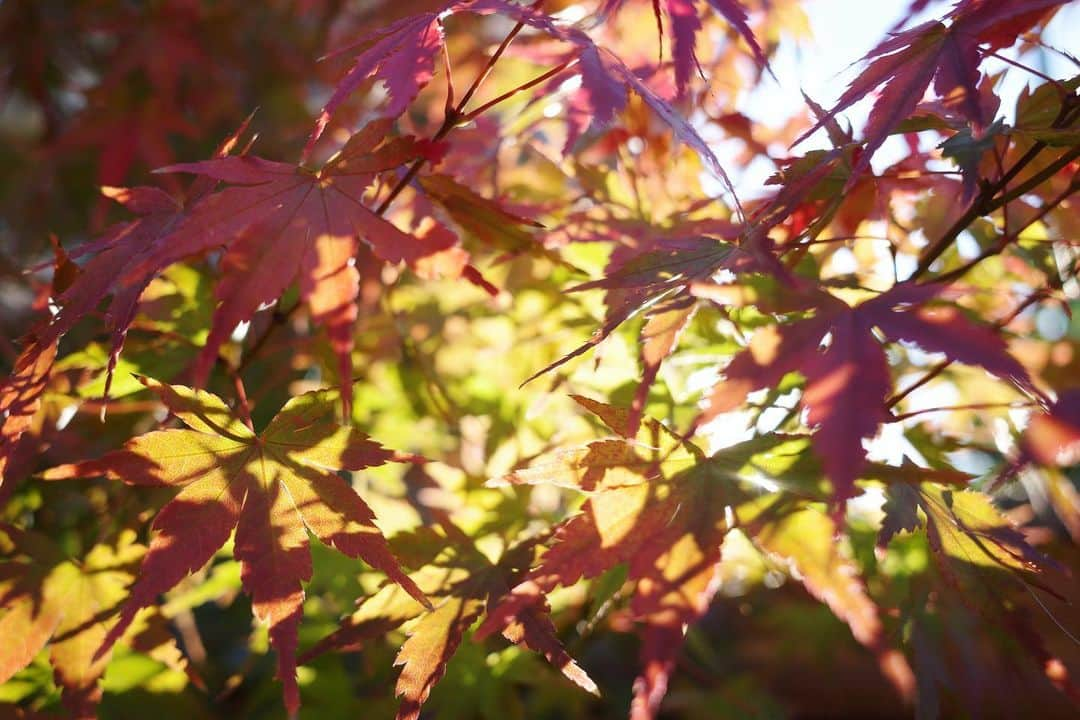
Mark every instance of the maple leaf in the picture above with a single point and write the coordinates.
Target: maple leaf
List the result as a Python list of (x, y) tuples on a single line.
[(46, 596), (973, 547), (805, 540), (666, 529), (684, 24), (606, 82), (664, 272), (639, 280), (662, 276), (849, 381), (485, 218), (20, 398), (282, 222), (21, 391), (904, 65), (965, 530), (121, 248), (402, 56), (461, 582), (272, 488), (659, 506)]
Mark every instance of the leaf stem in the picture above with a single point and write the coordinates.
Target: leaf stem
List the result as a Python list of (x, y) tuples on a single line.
[(242, 406)]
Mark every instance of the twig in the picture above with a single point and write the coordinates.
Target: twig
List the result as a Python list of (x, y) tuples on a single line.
[(970, 406), (985, 203), (455, 115), (1009, 238)]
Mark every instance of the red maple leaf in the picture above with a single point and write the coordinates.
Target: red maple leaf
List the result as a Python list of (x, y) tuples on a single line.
[(848, 381), (684, 24), (280, 223), (949, 55)]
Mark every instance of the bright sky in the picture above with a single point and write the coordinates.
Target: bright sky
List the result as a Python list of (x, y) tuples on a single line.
[(844, 31)]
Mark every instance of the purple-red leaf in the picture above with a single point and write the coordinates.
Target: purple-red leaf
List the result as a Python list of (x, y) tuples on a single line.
[(904, 65), (281, 223), (684, 24), (848, 381)]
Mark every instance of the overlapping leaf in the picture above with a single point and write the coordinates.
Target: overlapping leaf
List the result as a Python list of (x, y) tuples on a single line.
[(849, 380), (461, 583), (980, 554), (658, 278), (904, 65), (21, 391), (117, 267), (20, 398), (684, 24), (805, 539), (402, 56), (650, 507), (272, 488), (660, 507), (69, 605)]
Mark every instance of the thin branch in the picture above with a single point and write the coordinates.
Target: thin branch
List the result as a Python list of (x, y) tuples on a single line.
[(1056, 83), (970, 406), (455, 114), (1040, 177), (986, 203), (1009, 238), (473, 114), (944, 364)]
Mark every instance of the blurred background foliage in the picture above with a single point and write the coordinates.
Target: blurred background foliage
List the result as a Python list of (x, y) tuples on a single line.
[(101, 92)]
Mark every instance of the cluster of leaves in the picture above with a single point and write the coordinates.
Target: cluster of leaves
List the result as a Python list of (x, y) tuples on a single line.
[(860, 378)]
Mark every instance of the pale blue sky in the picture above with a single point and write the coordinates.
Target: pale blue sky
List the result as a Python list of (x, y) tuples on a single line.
[(844, 31)]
